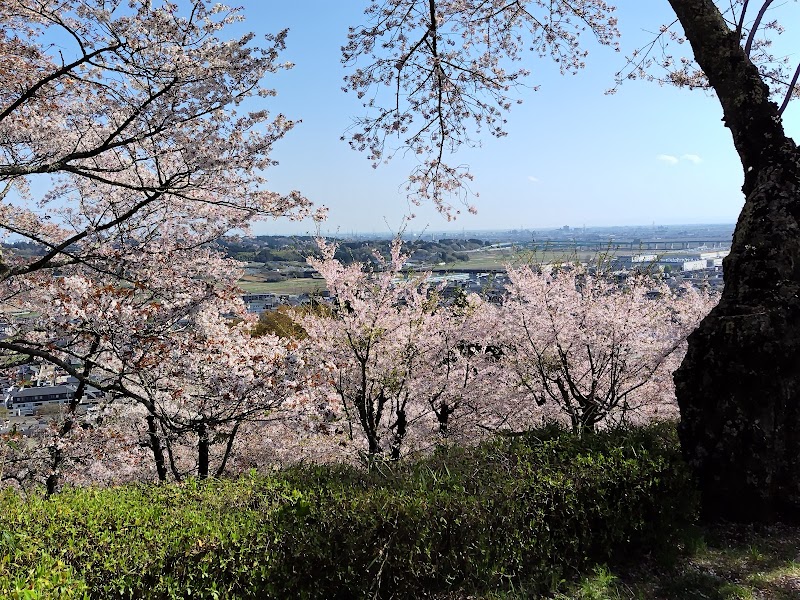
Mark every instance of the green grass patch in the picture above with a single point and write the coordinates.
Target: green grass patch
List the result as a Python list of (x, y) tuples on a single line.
[(715, 562), (511, 518)]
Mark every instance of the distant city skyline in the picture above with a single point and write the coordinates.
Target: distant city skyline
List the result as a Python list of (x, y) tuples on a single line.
[(697, 229), (431, 229), (573, 155), (453, 228)]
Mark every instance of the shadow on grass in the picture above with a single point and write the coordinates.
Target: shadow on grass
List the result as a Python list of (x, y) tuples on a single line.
[(721, 563), (715, 563)]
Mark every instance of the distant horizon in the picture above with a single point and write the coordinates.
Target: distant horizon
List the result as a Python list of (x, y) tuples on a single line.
[(460, 231), (573, 154)]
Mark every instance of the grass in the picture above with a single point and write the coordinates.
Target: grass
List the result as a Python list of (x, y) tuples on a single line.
[(722, 562), (498, 260)]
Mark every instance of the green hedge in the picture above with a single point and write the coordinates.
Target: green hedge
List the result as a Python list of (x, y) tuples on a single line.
[(523, 513)]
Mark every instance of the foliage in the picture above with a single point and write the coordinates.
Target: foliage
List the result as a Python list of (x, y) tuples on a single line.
[(521, 513), (280, 322), (133, 118), (46, 579), (597, 346)]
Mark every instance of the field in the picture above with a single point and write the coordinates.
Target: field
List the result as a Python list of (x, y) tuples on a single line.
[(489, 260), (498, 260), (252, 285)]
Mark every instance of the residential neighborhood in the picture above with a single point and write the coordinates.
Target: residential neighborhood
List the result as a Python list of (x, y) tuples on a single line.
[(37, 394)]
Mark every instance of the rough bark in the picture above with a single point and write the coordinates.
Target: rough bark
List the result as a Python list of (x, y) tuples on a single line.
[(739, 385), (154, 443), (203, 446)]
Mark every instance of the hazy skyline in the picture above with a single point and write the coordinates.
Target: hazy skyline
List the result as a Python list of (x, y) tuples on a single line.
[(573, 155)]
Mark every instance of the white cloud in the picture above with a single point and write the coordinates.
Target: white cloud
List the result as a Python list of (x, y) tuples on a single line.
[(668, 158), (533, 179), (692, 158)]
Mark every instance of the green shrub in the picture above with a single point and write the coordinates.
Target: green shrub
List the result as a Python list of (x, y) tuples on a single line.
[(47, 578), (522, 513)]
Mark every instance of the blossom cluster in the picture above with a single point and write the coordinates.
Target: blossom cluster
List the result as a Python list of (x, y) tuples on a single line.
[(139, 121), (392, 365)]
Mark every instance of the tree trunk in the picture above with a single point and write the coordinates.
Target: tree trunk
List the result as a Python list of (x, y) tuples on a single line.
[(443, 416), (56, 454), (155, 446), (202, 451), (400, 430), (739, 386)]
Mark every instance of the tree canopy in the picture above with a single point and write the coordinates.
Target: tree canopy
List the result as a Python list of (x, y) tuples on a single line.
[(435, 70)]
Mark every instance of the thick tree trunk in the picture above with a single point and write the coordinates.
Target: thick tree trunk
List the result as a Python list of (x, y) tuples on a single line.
[(443, 417), (739, 385)]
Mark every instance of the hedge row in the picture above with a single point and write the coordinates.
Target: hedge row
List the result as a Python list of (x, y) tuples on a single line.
[(523, 513)]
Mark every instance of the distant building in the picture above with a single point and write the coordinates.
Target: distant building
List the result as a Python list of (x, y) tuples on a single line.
[(28, 401), (714, 259), (682, 264), (258, 303)]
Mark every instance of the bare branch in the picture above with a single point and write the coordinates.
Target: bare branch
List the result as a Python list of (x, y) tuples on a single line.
[(756, 24)]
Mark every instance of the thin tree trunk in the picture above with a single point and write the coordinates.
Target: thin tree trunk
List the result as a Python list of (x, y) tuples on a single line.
[(228, 447), (56, 454), (172, 466), (155, 446), (202, 451)]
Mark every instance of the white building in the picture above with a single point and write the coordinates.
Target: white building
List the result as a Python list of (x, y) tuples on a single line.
[(677, 263), (26, 402)]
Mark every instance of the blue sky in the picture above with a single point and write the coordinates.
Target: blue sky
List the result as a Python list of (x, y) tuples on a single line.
[(573, 156)]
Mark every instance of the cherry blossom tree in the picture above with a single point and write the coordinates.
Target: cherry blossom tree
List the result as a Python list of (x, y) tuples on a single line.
[(129, 139), (208, 384), (408, 368), (404, 365), (600, 349), (77, 448), (737, 388), (462, 383), (372, 345)]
